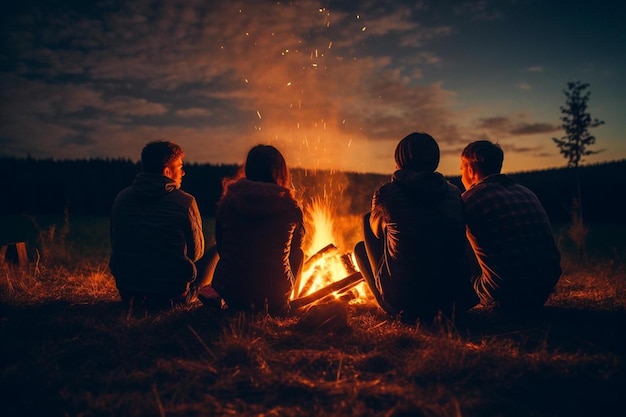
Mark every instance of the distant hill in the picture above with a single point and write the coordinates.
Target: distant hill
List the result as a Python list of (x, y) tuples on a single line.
[(88, 187)]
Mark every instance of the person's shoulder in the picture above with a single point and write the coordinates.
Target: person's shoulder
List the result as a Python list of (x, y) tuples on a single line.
[(182, 196), (185, 193), (386, 187), (124, 194), (291, 202), (125, 191), (453, 188), (478, 193)]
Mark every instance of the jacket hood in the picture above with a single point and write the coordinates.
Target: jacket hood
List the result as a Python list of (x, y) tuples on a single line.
[(257, 199), (427, 185), (153, 185)]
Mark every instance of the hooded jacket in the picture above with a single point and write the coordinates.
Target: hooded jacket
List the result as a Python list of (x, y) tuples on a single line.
[(156, 236), (425, 266), (258, 228)]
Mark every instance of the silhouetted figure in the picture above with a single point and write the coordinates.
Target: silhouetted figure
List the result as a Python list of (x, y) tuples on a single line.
[(509, 231), (259, 231), (414, 254), (156, 233)]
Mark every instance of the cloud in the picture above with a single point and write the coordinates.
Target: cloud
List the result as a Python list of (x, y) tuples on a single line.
[(492, 123), (535, 68), (533, 128), (130, 106), (104, 79), (194, 112), (501, 126)]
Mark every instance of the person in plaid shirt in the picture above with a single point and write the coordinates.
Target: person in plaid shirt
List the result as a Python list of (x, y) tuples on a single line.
[(509, 232)]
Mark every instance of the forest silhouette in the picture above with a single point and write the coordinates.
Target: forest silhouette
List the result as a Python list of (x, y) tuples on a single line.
[(88, 187)]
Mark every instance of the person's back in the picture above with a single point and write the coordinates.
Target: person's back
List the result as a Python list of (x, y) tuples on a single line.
[(510, 233), (425, 267), (156, 232), (258, 232), (418, 254)]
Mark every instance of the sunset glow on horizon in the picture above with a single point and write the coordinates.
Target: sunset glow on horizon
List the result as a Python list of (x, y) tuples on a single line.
[(334, 86)]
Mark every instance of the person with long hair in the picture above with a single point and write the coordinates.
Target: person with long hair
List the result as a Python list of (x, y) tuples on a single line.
[(259, 231)]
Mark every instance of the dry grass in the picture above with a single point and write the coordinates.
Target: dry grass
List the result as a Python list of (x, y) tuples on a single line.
[(69, 347)]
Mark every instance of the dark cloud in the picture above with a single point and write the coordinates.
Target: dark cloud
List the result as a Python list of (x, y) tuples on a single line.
[(506, 126), (534, 128), (491, 123)]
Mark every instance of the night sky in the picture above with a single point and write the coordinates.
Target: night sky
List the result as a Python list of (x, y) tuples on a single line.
[(333, 85)]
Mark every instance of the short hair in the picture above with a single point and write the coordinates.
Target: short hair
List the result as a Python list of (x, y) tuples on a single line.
[(265, 163), (484, 157), (158, 154), (417, 152)]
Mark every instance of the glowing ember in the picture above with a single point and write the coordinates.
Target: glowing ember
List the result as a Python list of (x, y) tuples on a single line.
[(324, 264)]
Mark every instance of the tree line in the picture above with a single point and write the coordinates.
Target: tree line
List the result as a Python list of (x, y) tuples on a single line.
[(88, 187)]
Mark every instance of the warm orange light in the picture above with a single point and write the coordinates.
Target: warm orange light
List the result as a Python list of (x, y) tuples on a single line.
[(324, 263)]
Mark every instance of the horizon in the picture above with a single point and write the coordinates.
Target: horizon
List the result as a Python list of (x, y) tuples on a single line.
[(312, 171)]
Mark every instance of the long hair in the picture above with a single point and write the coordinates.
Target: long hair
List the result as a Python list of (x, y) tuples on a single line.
[(264, 163)]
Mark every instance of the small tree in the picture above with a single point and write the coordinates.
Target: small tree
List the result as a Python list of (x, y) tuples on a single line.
[(575, 145), (576, 122)]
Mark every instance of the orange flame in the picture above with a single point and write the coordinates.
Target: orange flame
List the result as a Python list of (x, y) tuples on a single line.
[(324, 264), (318, 217)]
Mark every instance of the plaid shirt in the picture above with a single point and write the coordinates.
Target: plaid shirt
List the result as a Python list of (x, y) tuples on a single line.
[(510, 233)]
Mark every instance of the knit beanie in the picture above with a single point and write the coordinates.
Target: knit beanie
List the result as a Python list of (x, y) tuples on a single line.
[(418, 152)]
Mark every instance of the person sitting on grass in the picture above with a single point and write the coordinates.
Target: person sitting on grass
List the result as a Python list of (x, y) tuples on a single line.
[(414, 253), (259, 231), (509, 231), (157, 244)]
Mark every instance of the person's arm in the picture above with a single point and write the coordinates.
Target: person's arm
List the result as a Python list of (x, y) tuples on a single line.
[(195, 243), (376, 218), (296, 254)]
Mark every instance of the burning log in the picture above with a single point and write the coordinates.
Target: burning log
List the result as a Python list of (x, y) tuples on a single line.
[(317, 255), (340, 286), (309, 282), (346, 259)]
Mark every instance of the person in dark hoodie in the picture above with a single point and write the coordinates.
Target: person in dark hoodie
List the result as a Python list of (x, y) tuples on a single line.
[(414, 255), (259, 231), (157, 244)]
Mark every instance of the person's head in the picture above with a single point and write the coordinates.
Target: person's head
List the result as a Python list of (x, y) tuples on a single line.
[(417, 152), (165, 158), (266, 164), (480, 159)]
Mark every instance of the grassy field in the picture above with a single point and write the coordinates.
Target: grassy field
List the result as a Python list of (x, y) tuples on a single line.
[(69, 348)]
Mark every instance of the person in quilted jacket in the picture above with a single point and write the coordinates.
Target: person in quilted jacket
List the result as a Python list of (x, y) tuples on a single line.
[(157, 243), (259, 232)]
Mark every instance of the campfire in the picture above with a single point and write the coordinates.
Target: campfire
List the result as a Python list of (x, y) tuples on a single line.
[(327, 273)]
